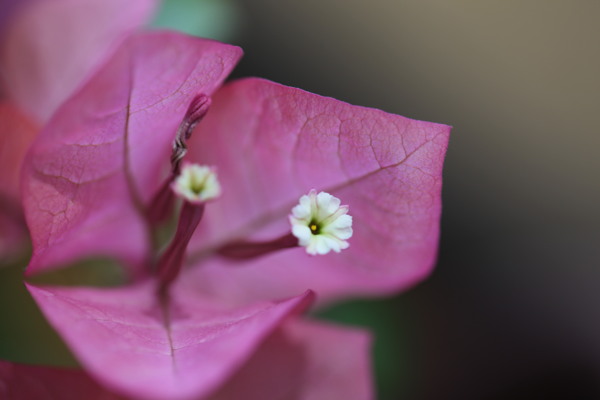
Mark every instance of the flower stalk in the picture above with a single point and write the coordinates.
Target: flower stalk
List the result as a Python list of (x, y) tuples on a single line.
[(243, 250), (171, 261)]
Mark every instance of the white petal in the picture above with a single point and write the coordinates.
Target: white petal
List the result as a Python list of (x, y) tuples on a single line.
[(321, 245), (303, 233), (301, 212)]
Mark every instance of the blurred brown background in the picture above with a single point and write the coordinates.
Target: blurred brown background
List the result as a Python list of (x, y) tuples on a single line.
[(513, 309)]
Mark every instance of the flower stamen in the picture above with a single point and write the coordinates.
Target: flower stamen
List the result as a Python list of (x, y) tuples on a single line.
[(314, 229)]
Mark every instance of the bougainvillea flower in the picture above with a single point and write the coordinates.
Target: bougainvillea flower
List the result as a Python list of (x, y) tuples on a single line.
[(47, 49), (300, 360), (96, 176)]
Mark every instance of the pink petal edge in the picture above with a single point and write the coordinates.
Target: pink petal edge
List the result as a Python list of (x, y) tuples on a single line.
[(121, 336)]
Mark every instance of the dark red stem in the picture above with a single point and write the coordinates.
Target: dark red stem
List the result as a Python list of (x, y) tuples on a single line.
[(242, 250), (162, 203), (171, 261)]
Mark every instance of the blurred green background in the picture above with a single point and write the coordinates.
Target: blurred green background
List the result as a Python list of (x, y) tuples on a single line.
[(512, 310)]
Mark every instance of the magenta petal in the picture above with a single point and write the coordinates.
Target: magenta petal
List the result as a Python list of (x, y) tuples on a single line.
[(303, 361), (50, 47), (28, 382), (91, 171), (125, 339), (272, 143)]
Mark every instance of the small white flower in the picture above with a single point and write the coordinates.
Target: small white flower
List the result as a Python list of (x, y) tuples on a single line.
[(197, 183), (320, 223)]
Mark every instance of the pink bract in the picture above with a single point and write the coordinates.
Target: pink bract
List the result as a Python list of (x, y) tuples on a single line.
[(98, 163), (133, 343), (299, 361), (306, 361), (271, 144)]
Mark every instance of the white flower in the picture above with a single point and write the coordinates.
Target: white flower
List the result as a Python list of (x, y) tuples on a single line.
[(197, 183), (320, 223)]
